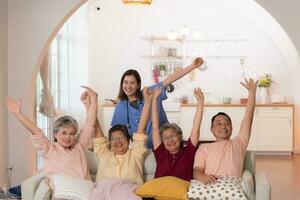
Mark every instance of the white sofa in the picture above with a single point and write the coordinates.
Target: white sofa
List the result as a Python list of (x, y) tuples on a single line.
[(262, 186)]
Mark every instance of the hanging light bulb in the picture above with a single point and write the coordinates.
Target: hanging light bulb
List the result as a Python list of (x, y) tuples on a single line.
[(197, 34), (171, 35), (185, 31), (137, 2)]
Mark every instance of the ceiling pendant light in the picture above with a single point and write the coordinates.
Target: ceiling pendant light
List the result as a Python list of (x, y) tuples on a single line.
[(185, 31), (137, 2), (171, 35)]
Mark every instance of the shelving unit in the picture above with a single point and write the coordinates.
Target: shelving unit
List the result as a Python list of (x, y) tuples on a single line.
[(167, 55)]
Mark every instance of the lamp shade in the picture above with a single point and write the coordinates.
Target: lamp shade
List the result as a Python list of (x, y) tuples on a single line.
[(137, 2)]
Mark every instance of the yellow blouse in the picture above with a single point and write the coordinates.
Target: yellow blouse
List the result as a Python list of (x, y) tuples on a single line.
[(128, 165)]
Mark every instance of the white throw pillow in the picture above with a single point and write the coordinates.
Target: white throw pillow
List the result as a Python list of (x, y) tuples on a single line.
[(226, 188), (66, 187), (248, 185)]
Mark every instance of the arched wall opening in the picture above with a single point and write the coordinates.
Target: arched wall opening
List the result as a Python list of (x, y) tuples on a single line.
[(290, 59)]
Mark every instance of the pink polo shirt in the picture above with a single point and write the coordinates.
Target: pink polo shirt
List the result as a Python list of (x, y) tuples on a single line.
[(61, 161), (222, 158), (179, 165)]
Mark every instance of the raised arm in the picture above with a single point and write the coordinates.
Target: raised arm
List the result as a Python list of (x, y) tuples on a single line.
[(155, 120), (180, 73), (90, 99), (15, 107), (245, 129), (195, 133), (146, 111)]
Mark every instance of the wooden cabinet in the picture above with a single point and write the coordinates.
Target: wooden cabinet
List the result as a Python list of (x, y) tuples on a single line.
[(275, 126)]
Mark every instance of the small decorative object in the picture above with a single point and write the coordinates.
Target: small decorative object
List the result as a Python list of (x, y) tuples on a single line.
[(264, 84), (184, 99), (137, 2), (244, 100), (265, 81), (162, 70), (226, 100)]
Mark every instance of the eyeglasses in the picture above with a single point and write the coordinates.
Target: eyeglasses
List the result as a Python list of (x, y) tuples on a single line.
[(118, 138), (171, 138)]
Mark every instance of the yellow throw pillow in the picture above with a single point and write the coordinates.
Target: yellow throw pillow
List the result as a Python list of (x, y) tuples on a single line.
[(165, 188)]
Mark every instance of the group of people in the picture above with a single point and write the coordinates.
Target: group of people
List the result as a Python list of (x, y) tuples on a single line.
[(139, 117)]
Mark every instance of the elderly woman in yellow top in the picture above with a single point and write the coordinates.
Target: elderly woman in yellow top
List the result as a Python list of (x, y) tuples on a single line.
[(117, 160)]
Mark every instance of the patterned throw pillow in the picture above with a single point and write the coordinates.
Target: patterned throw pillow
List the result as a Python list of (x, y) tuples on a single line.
[(226, 188)]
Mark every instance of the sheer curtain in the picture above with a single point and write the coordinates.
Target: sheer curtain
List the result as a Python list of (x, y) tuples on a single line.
[(76, 72)]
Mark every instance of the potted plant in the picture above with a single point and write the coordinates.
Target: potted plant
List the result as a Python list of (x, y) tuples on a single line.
[(264, 84), (162, 69)]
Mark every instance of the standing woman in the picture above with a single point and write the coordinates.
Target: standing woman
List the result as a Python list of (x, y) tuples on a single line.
[(129, 108)]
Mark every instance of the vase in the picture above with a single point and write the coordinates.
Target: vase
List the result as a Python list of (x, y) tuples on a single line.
[(264, 95)]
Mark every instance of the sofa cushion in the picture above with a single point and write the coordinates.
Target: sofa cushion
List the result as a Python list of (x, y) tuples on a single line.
[(149, 166), (67, 187), (43, 191), (164, 188), (226, 187), (248, 185)]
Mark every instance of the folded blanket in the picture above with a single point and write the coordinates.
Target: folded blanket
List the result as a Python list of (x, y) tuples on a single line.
[(114, 189)]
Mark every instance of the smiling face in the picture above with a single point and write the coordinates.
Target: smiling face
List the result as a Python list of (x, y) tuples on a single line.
[(66, 136), (171, 140), (130, 87), (221, 127), (119, 144)]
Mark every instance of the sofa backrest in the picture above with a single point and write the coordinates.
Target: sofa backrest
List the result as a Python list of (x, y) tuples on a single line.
[(150, 164)]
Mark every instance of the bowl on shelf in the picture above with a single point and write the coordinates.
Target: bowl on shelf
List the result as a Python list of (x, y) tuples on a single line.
[(226, 100), (243, 100)]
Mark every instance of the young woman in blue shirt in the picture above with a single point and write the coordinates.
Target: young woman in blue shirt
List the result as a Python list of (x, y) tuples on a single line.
[(129, 108)]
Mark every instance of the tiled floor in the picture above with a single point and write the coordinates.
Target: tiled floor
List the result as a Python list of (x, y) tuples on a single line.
[(283, 173)]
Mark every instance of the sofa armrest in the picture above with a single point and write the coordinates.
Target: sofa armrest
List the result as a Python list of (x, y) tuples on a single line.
[(262, 187), (29, 186)]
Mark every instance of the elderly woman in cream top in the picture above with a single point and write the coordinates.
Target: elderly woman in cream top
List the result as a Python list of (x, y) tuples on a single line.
[(117, 160)]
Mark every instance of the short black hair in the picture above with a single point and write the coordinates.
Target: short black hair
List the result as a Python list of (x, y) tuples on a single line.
[(119, 127), (216, 115)]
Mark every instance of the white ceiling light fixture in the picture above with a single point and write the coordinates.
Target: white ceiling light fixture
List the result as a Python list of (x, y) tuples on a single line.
[(197, 35), (185, 31), (171, 35), (137, 2)]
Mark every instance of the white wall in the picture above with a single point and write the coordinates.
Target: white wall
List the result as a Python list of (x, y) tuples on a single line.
[(286, 14), (30, 24), (116, 44), (271, 49), (3, 92)]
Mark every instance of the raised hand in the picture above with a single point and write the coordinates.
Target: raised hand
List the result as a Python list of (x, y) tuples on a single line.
[(250, 85), (156, 93), (199, 95), (14, 106), (197, 62), (88, 97), (147, 94), (85, 99)]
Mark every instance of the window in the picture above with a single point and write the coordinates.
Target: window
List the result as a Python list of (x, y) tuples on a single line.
[(62, 59)]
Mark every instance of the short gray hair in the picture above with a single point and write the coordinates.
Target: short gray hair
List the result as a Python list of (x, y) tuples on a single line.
[(172, 126), (63, 122)]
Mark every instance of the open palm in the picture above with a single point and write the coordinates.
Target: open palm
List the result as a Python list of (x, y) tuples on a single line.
[(13, 105)]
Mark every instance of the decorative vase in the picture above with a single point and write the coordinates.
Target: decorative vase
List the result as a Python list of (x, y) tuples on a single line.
[(264, 95)]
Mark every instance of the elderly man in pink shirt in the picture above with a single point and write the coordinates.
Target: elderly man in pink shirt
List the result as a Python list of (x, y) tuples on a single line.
[(225, 156)]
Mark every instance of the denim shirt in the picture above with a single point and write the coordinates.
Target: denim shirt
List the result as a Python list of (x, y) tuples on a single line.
[(127, 115)]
